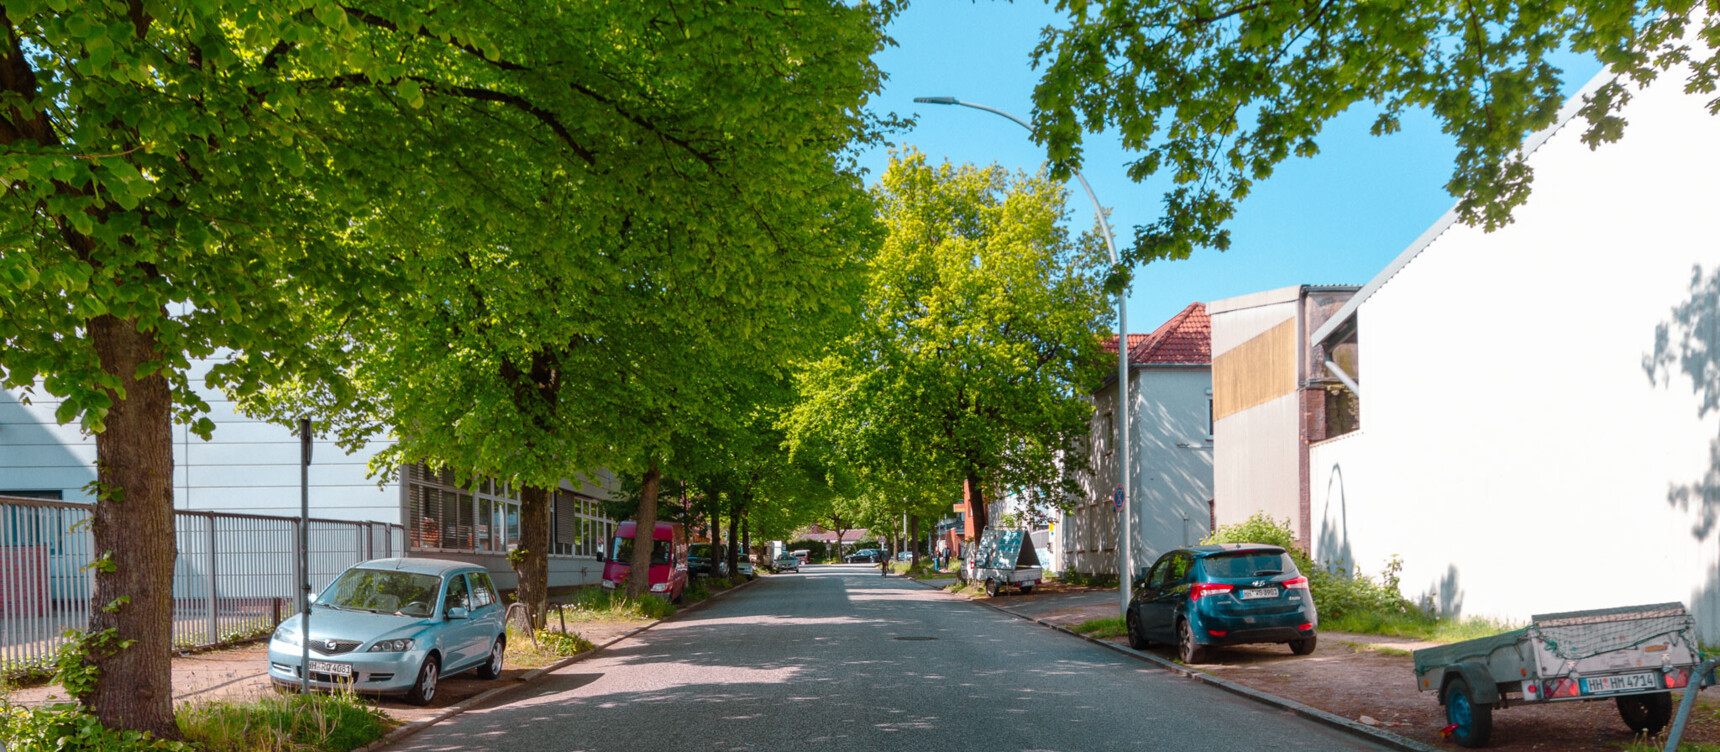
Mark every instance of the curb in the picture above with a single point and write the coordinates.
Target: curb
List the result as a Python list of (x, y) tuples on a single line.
[(1317, 715), (400, 734)]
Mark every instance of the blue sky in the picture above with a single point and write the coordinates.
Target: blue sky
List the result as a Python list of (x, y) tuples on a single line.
[(1337, 218)]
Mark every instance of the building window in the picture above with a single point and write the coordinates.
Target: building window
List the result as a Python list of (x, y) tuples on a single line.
[(1108, 433), (485, 517)]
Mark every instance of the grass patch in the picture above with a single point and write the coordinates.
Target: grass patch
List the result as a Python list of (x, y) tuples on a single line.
[(337, 722), (1084, 580), (972, 589), (597, 604), (1414, 625), (1105, 628), (551, 646)]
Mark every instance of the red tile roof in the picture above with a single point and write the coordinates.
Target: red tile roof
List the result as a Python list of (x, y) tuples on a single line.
[(1186, 339)]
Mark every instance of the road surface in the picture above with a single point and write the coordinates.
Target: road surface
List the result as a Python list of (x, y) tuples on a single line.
[(839, 658)]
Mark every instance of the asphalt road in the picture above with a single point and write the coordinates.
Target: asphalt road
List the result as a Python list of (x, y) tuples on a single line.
[(838, 658)]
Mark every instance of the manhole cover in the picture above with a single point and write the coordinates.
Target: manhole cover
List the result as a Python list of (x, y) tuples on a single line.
[(914, 639)]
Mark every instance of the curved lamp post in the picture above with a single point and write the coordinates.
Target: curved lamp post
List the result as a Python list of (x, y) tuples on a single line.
[(1125, 530)]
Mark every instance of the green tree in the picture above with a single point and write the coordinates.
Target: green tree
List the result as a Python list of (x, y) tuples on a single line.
[(978, 346), (1216, 95), (624, 265), (246, 179)]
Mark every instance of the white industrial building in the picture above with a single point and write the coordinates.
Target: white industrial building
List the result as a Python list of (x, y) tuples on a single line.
[(1538, 424), (252, 467)]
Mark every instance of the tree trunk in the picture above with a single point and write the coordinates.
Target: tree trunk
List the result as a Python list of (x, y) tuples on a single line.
[(133, 524), (746, 537), (733, 552), (531, 558), (644, 534), (973, 496), (914, 540)]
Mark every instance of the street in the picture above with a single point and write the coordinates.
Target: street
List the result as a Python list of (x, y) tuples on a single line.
[(839, 658)]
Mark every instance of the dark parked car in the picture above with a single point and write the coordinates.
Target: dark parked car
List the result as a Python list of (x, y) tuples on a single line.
[(1225, 594), (865, 556), (707, 560)]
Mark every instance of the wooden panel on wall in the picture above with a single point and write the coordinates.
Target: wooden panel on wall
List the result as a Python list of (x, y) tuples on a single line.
[(1255, 372)]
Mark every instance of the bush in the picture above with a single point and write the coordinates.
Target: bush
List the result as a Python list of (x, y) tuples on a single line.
[(1337, 596), (67, 728), (336, 722), (817, 550)]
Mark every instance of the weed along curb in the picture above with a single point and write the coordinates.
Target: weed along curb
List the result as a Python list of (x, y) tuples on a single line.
[(1314, 714), (400, 734)]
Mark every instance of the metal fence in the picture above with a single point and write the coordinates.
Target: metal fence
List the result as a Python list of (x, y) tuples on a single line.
[(234, 576)]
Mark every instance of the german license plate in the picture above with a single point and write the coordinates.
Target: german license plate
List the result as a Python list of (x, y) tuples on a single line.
[(1249, 594), (1600, 685), (343, 670)]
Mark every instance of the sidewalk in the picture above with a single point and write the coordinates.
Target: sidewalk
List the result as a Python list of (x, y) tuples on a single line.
[(1369, 679), (240, 674)]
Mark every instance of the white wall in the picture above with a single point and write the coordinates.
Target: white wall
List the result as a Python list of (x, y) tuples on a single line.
[(1171, 472), (247, 466), (1258, 470), (1513, 449)]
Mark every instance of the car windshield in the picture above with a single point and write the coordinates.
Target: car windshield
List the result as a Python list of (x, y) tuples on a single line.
[(621, 552), (383, 591), (699, 551), (1249, 564)]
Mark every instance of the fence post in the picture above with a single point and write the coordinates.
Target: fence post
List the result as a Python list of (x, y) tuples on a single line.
[(214, 618)]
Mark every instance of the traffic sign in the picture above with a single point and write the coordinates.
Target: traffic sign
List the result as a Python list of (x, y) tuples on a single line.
[(1117, 498)]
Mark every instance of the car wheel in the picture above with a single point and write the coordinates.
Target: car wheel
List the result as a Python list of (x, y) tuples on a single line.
[(1190, 651), (1305, 645), (1136, 639), (1026, 589), (424, 690), (991, 587), (1646, 714), (493, 667), (1471, 722)]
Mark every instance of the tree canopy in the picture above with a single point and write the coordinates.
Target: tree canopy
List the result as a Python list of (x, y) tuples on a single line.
[(1216, 95), (979, 341)]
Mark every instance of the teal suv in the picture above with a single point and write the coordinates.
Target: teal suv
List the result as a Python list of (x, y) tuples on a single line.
[(1225, 594)]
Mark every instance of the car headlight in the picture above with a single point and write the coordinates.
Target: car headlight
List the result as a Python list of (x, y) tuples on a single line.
[(608, 584), (392, 646), (288, 636), (661, 587)]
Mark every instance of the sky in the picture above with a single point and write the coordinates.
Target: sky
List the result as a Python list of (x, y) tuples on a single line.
[(1336, 218)]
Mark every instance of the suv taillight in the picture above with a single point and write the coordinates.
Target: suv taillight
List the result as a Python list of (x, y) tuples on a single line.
[(1296, 583), (1201, 590)]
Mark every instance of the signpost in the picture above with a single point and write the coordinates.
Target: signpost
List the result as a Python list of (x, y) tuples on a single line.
[(304, 554)]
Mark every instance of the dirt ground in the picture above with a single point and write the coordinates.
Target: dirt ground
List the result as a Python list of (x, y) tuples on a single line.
[(1360, 677)]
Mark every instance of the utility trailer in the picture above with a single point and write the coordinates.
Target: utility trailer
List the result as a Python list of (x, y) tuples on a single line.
[(1633, 655), (1004, 558)]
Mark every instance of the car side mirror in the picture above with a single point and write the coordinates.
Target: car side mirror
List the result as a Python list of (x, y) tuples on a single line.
[(455, 612)]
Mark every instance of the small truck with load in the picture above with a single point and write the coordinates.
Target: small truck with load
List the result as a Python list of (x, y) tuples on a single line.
[(1634, 656)]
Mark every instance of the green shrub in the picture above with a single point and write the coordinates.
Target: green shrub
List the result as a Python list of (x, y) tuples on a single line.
[(1081, 579), (562, 643), (333, 722), (67, 728), (1337, 596), (697, 590)]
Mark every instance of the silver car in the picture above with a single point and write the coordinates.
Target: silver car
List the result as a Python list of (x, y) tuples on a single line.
[(396, 627), (786, 562)]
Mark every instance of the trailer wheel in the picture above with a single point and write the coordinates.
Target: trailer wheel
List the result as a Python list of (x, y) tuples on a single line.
[(991, 587), (1473, 721), (1026, 589), (1646, 714)]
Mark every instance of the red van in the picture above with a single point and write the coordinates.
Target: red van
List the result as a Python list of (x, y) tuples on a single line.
[(668, 559)]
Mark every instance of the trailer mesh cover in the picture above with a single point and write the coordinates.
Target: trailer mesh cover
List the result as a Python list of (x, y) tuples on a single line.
[(1577, 635)]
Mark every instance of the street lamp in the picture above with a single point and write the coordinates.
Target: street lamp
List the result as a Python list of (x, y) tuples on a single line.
[(1125, 531)]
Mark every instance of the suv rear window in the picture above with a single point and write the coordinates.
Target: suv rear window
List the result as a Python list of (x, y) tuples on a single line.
[(1249, 564)]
